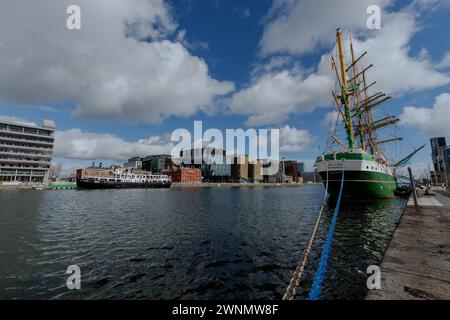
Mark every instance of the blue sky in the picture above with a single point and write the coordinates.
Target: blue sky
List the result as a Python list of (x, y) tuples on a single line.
[(243, 45)]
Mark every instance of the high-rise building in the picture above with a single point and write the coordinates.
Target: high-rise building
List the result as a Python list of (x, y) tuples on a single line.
[(214, 163), (440, 154), (157, 163), (26, 151)]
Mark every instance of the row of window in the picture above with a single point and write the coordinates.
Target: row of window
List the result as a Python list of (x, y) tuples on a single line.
[(19, 159), (25, 139), (21, 166), (25, 146), (21, 172), (46, 154), (27, 130)]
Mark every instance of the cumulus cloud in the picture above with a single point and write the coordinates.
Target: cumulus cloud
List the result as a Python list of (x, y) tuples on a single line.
[(431, 121), (280, 89), (78, 144), (303, 26), (294, 140), (16, 119), (121, 65), (81, 145), (445, 62), (275, 94), (396, 71)]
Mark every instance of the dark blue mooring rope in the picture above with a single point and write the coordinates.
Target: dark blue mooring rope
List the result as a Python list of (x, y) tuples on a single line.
[(316, 289)]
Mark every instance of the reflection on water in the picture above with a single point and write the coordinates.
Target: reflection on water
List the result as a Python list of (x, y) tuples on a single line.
[(229, 243)]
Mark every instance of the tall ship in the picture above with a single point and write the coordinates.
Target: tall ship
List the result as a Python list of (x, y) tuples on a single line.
[(368, 174), (120, 178)]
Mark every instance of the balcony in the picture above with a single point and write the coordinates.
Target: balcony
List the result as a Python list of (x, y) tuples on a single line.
[(17, 147), (23, 154), (37, 142), (12, 167), (38, 162), (22, 174), (27, 134)]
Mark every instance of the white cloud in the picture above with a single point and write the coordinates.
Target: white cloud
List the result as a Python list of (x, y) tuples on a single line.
[(80, 145), (395, 71), (77, 144), (16, 119), (445, 62), (301, 26), (105, 69), (273, 95), (433, 121), (278, 90), (294, 140), (430, 5)]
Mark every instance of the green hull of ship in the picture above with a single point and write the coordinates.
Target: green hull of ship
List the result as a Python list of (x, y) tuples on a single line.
[(362, 185)]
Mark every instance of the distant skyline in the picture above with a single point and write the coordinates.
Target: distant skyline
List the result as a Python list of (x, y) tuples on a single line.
[(137, 70)]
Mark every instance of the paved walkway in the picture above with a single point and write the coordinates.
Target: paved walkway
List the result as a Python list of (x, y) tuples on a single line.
[(417, 262)]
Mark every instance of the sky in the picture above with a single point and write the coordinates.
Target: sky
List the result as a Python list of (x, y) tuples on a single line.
[(137, 70)]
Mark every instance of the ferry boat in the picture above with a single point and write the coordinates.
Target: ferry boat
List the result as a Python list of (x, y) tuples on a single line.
[(367, 172), (120, 178)]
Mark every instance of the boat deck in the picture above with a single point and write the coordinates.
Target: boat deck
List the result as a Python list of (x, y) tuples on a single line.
[(417, 262)]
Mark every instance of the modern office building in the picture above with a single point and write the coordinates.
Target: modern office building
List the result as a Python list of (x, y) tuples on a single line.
[(440, 154), (301, 168), (157, 163), (217, 172), (134, 163), (26, 151), (214, 163), (276, 177)]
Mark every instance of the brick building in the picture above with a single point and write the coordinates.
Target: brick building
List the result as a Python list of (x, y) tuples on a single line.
[(186, 175)]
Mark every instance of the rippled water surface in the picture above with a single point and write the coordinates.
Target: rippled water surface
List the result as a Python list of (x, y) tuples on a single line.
[(228, 243)]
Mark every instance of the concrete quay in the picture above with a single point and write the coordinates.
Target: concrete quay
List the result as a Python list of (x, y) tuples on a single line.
[(416, 265)]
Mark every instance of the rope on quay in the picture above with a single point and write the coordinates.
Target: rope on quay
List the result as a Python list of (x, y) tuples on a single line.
[(294, 284), (316, 289)]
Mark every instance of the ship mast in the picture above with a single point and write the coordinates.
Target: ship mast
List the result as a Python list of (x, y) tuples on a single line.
[(355, 105), (344, 93), (357, 95)]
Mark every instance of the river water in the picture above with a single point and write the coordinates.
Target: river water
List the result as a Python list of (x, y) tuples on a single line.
[(199, 243)]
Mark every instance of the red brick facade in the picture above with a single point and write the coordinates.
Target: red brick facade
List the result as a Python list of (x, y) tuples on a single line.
[(186, 175)]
